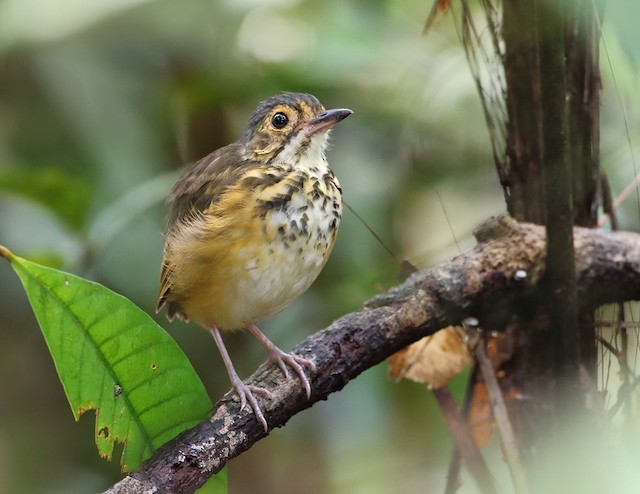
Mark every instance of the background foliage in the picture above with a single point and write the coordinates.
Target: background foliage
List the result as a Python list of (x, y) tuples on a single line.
[(103, 102)]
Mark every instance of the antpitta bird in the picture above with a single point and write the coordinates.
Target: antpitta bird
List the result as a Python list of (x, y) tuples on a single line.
[(250, 227)]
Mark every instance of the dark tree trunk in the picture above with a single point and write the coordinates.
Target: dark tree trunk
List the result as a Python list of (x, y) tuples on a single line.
[(550, 176)]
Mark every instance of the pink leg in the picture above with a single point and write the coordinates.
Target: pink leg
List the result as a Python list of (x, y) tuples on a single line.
[(245, 392), (283, 359)]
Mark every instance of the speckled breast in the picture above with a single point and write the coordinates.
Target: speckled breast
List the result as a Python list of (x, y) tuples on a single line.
[(296, 218)]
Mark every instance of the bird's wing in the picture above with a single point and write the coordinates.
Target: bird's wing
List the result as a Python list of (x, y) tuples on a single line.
[(202, 184), (198, 188)]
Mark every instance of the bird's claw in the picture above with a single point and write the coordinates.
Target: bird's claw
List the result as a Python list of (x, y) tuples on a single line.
[(285, 360), (247, 393)]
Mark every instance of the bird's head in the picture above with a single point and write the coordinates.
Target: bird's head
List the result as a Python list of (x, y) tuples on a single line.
[(290, 128)]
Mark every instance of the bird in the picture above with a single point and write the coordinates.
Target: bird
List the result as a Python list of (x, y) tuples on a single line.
[(250, 227)]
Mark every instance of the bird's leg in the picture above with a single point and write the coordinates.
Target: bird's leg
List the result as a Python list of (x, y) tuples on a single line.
[(283, 359), (245, 392)]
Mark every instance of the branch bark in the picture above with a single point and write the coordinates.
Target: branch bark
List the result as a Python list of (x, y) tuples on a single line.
[(496, 281)]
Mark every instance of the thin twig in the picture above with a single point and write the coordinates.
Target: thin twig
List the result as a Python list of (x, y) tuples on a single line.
[(453, 473), (614, 351), (617, 324), (465, 445), (623, 395), (503, 423), (607, 202)]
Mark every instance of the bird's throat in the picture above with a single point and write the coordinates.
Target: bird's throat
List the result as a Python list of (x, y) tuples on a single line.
[(304, 152)]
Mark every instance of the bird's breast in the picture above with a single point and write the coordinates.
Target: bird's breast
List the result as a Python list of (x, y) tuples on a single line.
[(262, 246), (299, 219)]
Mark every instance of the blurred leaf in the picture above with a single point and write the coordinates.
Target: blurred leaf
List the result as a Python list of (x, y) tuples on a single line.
[(113, 358), (67, 196), (215, 485), (47, 258), (115, 217)]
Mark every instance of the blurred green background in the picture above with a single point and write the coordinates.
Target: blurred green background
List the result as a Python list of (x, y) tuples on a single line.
[(101, 105)]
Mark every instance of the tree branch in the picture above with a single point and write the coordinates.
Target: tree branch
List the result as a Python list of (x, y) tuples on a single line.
[(494, 282)]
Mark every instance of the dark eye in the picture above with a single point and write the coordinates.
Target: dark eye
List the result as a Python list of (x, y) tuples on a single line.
[(279, 120)]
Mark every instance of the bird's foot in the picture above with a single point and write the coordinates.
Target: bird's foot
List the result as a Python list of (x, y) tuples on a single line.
[(286, 360), (247, 394)]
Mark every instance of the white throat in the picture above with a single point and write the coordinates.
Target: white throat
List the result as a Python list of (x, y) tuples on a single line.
[(312, 154)]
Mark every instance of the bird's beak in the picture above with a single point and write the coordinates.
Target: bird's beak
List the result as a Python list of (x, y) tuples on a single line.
[(326, 119)]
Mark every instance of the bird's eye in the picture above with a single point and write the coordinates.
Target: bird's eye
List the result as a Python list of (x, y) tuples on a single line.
[(279, 120)]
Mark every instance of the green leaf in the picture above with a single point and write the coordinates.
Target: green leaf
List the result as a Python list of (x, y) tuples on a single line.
[(66, 195), (113, 358), (215, 485)]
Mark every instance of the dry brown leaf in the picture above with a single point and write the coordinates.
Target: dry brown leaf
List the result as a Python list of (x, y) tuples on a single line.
[(433, 360), (439, 7), (481, 421)]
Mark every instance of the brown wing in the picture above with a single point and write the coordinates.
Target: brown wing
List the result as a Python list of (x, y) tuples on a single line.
[(202, 183), (200, 186)]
